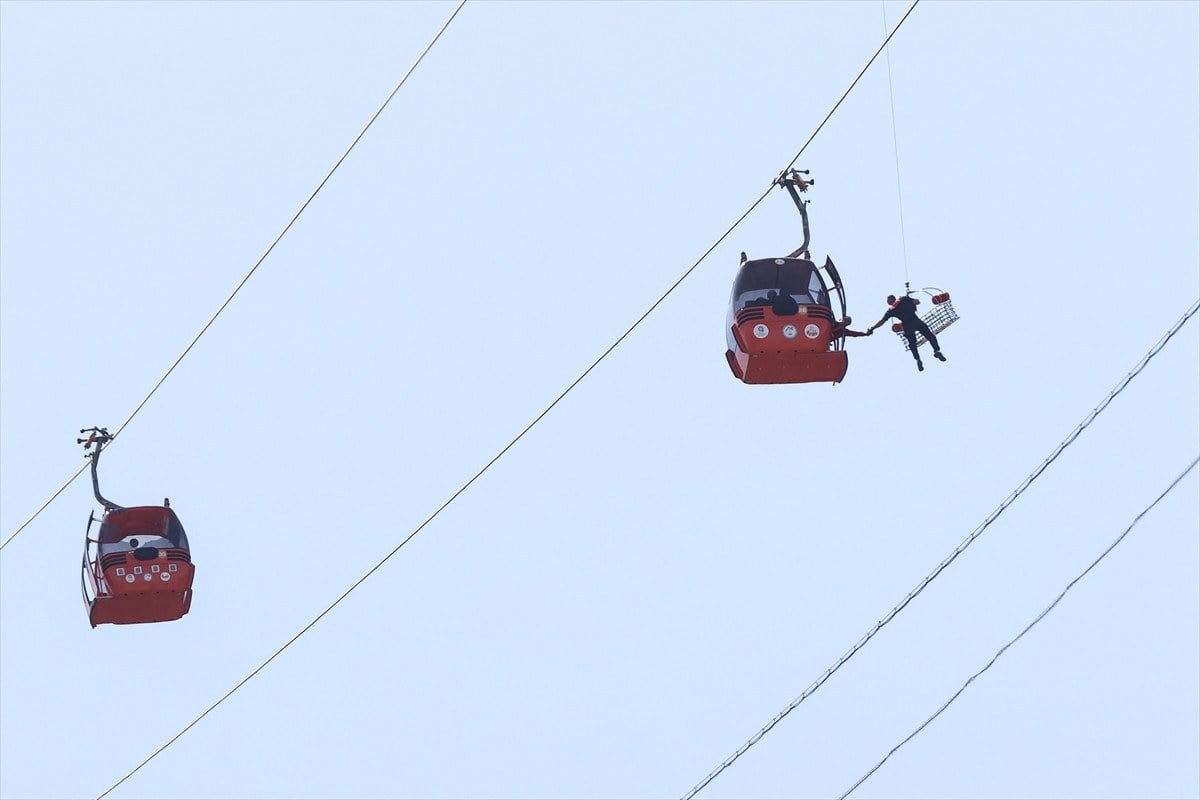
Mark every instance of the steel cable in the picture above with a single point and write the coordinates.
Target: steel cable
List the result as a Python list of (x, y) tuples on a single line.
[(249, 274), (975, 534), (602, 356), (1020, 635)]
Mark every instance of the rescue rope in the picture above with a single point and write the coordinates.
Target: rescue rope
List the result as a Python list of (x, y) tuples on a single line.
[(1018, 637), (253, 269), (895, 148), (975, 534), (853, 83)]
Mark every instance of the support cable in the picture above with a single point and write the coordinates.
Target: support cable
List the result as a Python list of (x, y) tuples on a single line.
[(604, 355), (253, 269), (513, 442), (975, 534), (45, 505), (846, 93), (1018, 637)]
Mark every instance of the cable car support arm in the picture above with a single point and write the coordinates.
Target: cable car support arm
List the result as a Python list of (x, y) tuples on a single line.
[(794, 183), (97, 437)]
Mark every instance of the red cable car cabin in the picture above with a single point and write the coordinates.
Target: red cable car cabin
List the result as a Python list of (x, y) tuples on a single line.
[(781, 325), (139, 566)]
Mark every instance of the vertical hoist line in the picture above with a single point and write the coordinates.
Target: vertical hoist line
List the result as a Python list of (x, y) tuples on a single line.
[(253, 269), (895, 145), (850, 88)]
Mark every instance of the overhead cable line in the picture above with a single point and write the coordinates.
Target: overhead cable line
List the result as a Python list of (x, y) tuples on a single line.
[(853, 83), (45, 505), (603, 355), (975, 534), (519, 436), (253, 269), (1018, 637)]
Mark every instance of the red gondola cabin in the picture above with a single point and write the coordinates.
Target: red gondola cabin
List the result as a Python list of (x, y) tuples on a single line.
[(781, 326), (138, 568)]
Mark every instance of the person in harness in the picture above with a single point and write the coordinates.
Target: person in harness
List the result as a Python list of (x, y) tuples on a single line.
[(904, 311)]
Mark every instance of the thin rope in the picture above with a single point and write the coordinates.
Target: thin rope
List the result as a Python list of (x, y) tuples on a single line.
[(504, 450), (896, 149), (253, 269), (853, 83), (950, 559), (1018, 637)]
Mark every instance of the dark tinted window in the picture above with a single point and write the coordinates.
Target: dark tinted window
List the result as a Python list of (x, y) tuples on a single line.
[(151, 525), (794, 276)]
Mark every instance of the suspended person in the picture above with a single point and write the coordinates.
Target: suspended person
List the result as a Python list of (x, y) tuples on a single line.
[(904, 311)]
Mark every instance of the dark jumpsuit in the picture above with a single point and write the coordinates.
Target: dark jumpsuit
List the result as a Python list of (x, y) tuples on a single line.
[(905, 311)]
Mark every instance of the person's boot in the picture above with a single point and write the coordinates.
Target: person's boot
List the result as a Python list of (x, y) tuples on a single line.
[(920, 366), (938, 355)]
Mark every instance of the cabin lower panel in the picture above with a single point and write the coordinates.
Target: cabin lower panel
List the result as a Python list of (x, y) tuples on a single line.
[(789, 366), (132, 609), (132, 592)]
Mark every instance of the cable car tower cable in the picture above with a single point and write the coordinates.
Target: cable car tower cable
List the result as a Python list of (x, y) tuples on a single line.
[(631, 328), (253, 269), (975, 534), (1024, 631)]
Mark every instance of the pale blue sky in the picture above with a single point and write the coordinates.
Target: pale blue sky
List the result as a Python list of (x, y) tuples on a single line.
[(669, 557)]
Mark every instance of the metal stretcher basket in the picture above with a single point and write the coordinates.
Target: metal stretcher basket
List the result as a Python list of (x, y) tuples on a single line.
[(940, 317)]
